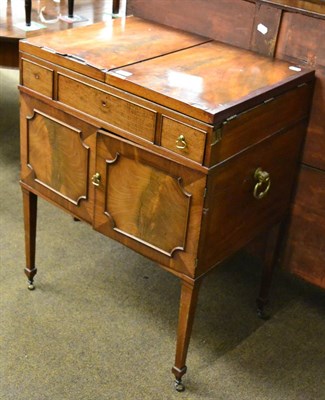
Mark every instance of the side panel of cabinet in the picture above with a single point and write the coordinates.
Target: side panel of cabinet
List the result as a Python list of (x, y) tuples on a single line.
[(305, 253), (233, 215), (148, 202), (57, 156)]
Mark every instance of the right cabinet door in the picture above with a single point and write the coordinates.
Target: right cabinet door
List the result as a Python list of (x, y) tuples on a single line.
[(150, 203)]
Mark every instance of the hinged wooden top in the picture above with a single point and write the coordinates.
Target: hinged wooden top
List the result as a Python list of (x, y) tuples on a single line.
[(205, 79), (210, 82), (100, 47)]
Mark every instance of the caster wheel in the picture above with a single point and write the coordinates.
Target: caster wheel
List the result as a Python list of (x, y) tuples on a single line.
[(179, 386), (262, 314)]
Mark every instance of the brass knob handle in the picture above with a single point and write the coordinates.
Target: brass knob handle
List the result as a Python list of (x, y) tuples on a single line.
[(96, 179), (263, 183), (181, 142), (104, 103), (36, 76)]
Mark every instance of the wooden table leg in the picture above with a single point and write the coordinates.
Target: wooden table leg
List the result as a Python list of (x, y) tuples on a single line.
[(116, 6), (70, 8), (188, 301), (272, 251), (30, 217), (28, 11)]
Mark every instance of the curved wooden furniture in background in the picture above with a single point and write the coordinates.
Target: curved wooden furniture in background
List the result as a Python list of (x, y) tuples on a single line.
[(11, 15)]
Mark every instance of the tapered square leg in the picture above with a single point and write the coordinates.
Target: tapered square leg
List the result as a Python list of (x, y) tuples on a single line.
[(28, 11), (30, 217), (188, 302), (70, 8)]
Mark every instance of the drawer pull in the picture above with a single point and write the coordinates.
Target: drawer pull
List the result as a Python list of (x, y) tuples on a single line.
[(36, 76), (263, 185), (96, 179), (181, 142), (104, 103)]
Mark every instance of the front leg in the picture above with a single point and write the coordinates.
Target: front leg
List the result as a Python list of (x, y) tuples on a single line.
[(188, 301), (30, 217)]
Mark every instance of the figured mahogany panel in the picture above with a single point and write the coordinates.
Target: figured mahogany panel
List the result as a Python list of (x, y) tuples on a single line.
[(233, 215), (57, 156), (148, 202), (305, 251), (217, 19)]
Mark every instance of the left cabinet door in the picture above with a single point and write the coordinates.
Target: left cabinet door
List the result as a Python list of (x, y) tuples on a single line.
[(57, 159)]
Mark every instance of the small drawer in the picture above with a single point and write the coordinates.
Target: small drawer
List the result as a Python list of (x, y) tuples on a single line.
[(37, 78), (183, 139), (109, 108)]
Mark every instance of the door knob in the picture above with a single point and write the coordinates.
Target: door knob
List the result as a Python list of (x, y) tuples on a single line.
[(96, 179)]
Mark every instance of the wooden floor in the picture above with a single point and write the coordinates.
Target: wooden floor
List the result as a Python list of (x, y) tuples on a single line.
[(46, 13)]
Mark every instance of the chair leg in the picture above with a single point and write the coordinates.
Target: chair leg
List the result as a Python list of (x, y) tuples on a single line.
[(70, 8), (116, 6), (28, 11), (30, 218)]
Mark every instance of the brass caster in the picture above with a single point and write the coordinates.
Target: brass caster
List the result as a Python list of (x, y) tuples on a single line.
[(262, 314), (179, 386), (31, 285)]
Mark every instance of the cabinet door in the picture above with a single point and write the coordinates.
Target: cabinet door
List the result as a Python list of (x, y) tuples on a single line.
[(56, 156), (148, 202)]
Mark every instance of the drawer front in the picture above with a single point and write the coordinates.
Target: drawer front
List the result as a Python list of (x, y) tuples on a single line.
[(114, 110), (183, 139), (38, 78)]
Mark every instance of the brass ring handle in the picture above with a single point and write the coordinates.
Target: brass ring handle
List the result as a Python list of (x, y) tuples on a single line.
[(263, 185), (181, 142), (96, 179)]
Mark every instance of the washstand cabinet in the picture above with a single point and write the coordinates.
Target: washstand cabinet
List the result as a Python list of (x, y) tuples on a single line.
[(182, 148)]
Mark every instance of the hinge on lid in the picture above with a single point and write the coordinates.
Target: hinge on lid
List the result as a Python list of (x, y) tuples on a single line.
[(205, 192), (217, 130), (217, 134), (268, 100)]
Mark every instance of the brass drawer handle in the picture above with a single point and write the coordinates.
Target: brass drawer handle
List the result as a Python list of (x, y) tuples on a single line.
[(36, 76), (96, 179), (181, 142), (263, 185)]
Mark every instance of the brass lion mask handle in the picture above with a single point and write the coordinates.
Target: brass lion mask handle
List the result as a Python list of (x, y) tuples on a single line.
[(263, 183)]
